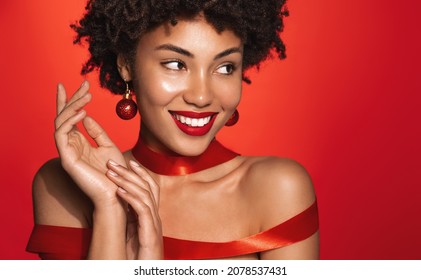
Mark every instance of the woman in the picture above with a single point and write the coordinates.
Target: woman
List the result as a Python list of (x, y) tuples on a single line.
[(178, 194)]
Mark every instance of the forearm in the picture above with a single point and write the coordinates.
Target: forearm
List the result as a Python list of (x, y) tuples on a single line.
[(109, 234)]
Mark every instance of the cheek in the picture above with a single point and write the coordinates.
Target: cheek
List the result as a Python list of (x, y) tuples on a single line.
[(230, 96), (172, 87), (159, 91)]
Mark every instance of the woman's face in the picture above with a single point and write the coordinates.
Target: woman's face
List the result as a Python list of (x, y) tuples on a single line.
[(188, 80)]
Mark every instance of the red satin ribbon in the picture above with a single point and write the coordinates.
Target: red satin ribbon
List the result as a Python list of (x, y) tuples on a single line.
[(59, 243), (293, 230), (55, 242), (174, 165)]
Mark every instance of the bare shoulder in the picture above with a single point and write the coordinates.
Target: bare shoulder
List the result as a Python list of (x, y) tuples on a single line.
[(57, 200), (281, 188)]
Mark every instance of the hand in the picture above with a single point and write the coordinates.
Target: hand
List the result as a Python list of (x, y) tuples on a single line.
[(140, 191), (84, 163)]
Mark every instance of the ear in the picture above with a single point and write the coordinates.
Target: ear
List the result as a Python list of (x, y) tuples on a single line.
[(123, 68)]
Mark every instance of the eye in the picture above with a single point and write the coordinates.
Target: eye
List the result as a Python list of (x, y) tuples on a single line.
[(175, 65), (226, 69)]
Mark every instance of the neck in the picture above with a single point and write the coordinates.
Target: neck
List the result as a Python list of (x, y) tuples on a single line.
[(171, 164)]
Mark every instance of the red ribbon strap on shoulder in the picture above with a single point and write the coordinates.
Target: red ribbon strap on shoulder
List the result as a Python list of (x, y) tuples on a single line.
[(55, 242), (293, 230), (59, 243)]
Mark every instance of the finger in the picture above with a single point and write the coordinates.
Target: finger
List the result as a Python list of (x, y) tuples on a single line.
[(61, 98), (62, 95), (147, 177), (81, 91), (140, 178), (149, 229), (131, 228), (149, 223), (61, 134), (72, 109), (68, 125), (96, 132), (132, 240), (140, 190)]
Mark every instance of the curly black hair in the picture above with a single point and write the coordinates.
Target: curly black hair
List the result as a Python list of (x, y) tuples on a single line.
[(111, 27)]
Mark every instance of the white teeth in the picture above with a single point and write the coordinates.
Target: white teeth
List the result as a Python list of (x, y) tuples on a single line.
[(193, 121)]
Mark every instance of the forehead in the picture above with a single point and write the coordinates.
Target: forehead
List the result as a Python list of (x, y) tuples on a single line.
[(195, 34)]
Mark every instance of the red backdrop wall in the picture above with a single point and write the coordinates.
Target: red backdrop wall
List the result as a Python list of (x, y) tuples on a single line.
[(345, 103)]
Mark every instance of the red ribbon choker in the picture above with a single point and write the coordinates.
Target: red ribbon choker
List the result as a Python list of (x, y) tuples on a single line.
[(174, 165)]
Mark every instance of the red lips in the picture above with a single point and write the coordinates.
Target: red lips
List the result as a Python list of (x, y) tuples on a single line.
[(194, 130)]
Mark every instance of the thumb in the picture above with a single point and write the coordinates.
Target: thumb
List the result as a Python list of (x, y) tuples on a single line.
[(96, 132)]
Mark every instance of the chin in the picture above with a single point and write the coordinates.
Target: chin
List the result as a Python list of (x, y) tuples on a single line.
[(193, 146), (175, 140)]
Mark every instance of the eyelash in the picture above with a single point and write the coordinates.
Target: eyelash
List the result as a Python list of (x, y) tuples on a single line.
[(166, 63), (233, 68)]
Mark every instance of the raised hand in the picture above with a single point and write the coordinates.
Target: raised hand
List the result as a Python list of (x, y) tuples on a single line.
[(85, 163), (140, 191)]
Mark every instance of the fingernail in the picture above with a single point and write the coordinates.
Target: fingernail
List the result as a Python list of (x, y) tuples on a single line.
[(112, 173), (121, 190), (113, 163), (84, 83), (134, 163)]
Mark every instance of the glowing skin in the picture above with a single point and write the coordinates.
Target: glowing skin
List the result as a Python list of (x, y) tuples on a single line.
[(180, 71), (188, 83)]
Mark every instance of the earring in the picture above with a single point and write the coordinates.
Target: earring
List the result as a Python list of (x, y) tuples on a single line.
[(233, 119), (126, 108)]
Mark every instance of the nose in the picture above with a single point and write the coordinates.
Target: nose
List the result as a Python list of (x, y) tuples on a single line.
[(199, 93)]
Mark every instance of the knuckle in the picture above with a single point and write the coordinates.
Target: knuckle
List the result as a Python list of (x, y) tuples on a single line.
[(141, 207), (56, 122), (146, 185), (56, 134), (145, 194)]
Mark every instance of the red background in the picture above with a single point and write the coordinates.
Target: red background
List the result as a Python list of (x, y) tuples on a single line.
[(345, 103)]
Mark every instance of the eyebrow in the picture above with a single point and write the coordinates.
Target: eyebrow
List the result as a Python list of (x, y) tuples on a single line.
[(171, 47)]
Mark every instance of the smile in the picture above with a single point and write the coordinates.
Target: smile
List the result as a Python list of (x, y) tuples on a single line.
[(193, 123)]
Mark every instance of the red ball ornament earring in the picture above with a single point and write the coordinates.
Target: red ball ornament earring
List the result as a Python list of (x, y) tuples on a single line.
[(233, 119), (126, 108)]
